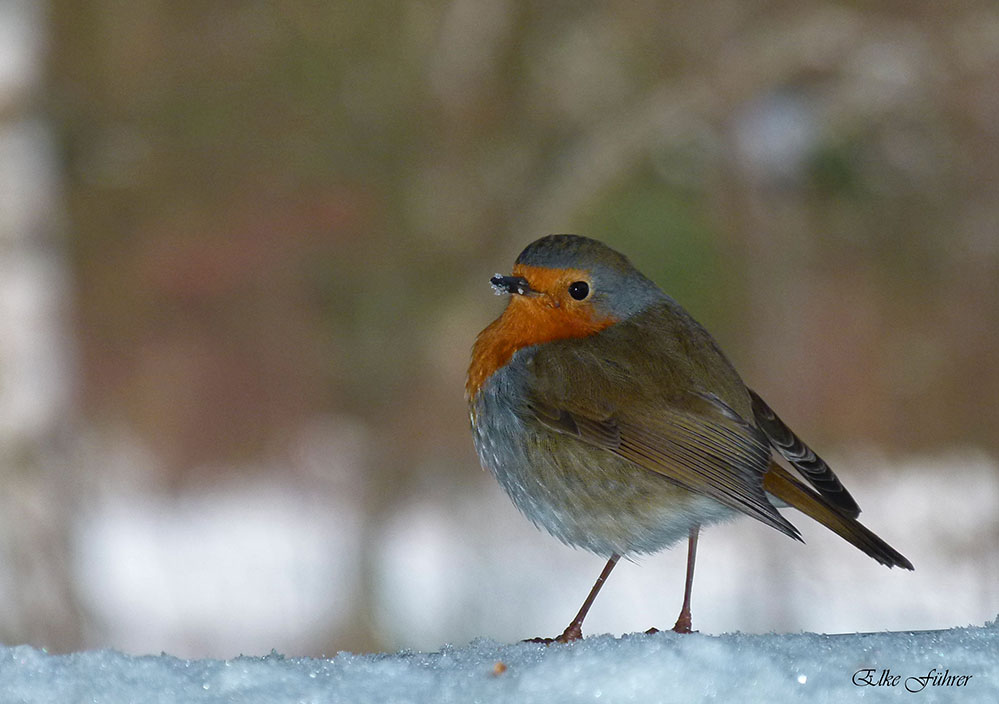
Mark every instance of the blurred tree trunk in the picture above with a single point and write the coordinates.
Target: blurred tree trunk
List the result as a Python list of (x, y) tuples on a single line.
[(36, 582)]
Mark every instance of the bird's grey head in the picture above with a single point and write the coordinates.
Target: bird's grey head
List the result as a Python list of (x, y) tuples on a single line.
[(617, 288)]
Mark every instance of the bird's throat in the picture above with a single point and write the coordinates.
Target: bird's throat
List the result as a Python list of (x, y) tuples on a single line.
[(526, 321)]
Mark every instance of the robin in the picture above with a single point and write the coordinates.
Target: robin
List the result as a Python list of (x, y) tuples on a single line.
[(615, 422)]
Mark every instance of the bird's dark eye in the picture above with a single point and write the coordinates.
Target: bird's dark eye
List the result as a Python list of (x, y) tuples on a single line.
[(579, 290)]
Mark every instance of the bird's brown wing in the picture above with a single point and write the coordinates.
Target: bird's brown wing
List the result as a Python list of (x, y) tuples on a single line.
[(708, 449), (697, 442)]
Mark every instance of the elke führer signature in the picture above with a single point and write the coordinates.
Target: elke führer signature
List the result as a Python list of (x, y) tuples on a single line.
[(870, 677)]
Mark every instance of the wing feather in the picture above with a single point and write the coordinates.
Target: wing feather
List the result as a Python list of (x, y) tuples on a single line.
[(803, 458), (706, 451)]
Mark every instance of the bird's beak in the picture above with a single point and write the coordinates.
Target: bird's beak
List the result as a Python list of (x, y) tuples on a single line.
[(511, 284)]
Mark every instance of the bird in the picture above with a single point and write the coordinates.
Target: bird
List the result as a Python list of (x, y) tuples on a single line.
[(614, 421)]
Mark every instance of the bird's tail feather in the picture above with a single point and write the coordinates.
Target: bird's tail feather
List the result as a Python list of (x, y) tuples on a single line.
[(782, 484)]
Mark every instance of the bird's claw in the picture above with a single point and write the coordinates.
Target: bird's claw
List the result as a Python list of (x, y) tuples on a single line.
[(678, 628), (570, 634)]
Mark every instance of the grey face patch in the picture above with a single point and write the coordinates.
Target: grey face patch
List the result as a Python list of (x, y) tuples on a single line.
[(622, 295)]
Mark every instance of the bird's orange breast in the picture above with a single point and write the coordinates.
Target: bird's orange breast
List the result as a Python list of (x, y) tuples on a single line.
[(532, 320)]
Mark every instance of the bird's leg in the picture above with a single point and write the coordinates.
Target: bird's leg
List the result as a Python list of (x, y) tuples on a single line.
[(683, 620), (574, 631)]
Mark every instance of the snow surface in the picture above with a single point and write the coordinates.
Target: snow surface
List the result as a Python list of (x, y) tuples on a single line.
[(664, 667)]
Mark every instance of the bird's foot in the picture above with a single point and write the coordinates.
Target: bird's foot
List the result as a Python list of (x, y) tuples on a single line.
[(570, 634), (682, 624), (678, 628)]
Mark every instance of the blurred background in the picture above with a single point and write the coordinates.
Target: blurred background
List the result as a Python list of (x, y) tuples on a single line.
[(245, 249)]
